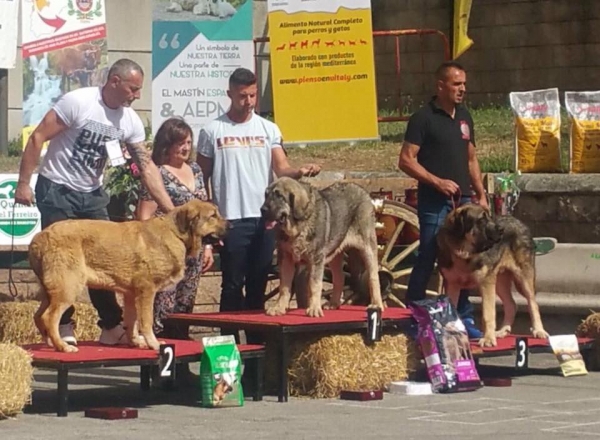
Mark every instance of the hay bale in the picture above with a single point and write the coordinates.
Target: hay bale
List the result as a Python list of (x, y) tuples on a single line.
[(590, 328), (16, 376), (323, 366), (17, 326)]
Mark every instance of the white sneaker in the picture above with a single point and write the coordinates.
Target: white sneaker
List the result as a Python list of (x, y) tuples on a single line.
[(66, 333), (115, 336)]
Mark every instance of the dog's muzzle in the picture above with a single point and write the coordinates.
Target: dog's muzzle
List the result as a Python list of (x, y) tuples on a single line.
[(272, 221)]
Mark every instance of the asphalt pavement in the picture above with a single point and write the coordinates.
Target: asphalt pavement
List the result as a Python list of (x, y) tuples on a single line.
[(540, 404)]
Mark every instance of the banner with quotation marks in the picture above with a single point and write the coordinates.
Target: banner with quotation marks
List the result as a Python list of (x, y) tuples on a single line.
[(196, 45)]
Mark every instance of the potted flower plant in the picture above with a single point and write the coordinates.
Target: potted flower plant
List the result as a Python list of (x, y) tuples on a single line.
[(123, 185)]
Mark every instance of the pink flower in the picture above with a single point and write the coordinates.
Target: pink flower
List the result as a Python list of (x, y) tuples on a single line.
[(134, 170)]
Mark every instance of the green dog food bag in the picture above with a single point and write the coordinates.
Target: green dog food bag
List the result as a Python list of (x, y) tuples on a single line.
[(221, 373)]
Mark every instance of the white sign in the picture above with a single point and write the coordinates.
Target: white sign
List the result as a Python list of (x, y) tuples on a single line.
[(18, 223), (192, 60), (9, 15)]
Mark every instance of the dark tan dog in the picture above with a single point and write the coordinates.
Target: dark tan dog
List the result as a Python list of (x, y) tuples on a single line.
[(477, 252), (135, 258), (222, 388), (315, 227)]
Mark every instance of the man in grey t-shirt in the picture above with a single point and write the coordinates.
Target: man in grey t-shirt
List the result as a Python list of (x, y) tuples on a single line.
[(238, 153)]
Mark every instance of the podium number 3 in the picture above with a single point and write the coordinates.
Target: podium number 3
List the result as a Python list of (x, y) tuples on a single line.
[(166, 370), (521, 353)]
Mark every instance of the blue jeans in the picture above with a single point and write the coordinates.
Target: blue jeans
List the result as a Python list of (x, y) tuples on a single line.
[(246, 259), (56, 203), (432, 213)]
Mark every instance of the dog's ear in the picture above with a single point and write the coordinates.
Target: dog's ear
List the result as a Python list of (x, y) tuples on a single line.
[(186, 219), (299, 203), (491, 232), (459, 222), (182, 219)]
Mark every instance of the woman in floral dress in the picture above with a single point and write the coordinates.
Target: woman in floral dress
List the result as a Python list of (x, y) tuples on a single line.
[(182, 177)]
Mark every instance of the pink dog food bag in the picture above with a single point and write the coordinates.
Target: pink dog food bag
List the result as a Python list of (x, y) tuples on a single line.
[(445, 346)]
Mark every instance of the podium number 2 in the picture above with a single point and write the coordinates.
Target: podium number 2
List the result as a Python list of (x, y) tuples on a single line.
[(522, 353), (167, 355)]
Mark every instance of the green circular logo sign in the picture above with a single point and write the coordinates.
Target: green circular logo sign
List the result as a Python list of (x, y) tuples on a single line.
[(16, 221)]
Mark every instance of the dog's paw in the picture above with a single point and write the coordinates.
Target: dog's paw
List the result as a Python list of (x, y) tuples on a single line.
[(153, 346), (69, 349), (139, 342), (488, 341), (276, 310), (332, 306), (504, 331), (540, 333), (315, 311), (376, 306)]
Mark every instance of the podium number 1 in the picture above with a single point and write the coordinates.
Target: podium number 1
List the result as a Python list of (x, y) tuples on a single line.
[(373, 325)]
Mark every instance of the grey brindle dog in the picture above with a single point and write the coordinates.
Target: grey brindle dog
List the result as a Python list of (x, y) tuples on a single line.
[(314, 228)]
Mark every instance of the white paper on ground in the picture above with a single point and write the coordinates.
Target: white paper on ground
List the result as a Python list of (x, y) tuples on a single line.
[(411, 388)]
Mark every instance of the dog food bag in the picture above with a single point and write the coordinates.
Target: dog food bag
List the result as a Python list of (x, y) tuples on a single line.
[(445, 346), (221, 373), (566, 350), (583, 109), (537, 140)]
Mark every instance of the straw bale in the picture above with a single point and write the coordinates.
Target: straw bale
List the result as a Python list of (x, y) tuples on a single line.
[(322, 366), (590, 328), (16, 377), (17, 325)]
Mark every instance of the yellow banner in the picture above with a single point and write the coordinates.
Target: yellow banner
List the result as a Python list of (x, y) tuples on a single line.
[(462, 42), (323, 70)]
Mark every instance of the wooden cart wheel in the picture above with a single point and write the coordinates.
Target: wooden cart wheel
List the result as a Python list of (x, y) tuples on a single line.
[(398, 242)]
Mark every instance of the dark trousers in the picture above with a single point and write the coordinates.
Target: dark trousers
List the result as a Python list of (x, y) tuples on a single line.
[(246, 259), (57, 202), (432, 212)]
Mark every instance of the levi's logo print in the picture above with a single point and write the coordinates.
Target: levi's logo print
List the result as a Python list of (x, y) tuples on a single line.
[(89, 150), (241, 141)]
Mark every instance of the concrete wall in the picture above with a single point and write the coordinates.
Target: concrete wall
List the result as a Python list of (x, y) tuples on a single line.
[(519, 45), (566, 207)]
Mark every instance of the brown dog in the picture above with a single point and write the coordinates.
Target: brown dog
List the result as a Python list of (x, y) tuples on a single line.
[(222, 388), (477, 252), (135, 258)]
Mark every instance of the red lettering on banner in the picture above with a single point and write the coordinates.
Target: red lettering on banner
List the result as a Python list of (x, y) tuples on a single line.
[(65, 40)]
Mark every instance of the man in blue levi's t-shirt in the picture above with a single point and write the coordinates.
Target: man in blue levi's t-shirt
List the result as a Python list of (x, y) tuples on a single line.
[(238, 153)]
